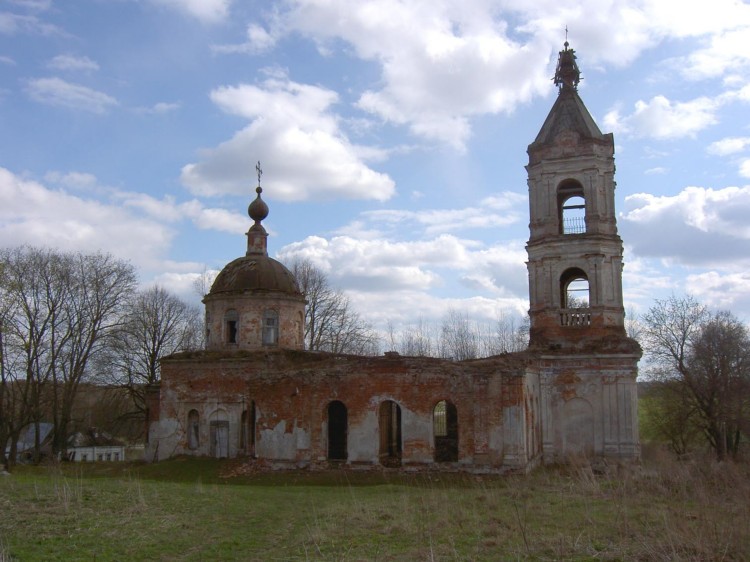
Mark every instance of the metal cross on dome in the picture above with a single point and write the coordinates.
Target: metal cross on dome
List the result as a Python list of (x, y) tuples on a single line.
[(259, 170)]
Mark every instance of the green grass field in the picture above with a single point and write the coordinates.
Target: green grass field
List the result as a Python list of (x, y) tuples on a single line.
[(190, 510)]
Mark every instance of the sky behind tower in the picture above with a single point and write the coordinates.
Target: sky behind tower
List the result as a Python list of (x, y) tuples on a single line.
[(392, 136)]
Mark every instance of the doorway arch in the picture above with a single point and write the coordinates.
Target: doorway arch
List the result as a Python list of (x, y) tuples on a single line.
[(445, 429), (337, 431)]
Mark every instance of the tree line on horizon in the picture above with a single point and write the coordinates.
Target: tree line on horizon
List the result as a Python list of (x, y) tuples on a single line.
[(69, 320)]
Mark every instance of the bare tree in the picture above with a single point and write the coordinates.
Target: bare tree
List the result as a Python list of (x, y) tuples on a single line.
[(633, 325), (509, 334), (58, 307), (708, 354), (330, 322), (100, 287), (202, 283), (417, 340), (459, 340), (154, 324)]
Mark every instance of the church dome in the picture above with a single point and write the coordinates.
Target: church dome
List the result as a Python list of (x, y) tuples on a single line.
[(255, 273)]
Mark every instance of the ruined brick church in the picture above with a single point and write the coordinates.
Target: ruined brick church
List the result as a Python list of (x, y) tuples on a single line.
[(255, 392)]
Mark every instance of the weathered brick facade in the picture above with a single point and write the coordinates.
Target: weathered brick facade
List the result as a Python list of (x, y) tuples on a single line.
[(255, 392)]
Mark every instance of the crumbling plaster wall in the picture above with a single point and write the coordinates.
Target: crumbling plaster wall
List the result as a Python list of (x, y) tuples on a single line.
[(589, 406), (291, 392)]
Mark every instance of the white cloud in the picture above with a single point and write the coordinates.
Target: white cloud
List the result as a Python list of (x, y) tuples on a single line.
[(506, 209), (383, 309), (727, 52), (661, 118), (71, 62), (377, 265), (10, 24), (168, 209), (58, 92), (33, 5), (208, 11), (258, 41), (705, 226), (74, 180), (159, 108), (7, 60), (443, 63), (721, 290), (729, 145), (31, 213), (297, 139), (438, 68)]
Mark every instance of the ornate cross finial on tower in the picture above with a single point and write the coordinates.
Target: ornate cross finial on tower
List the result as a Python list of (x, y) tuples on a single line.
[(567, 74), (260, 171)]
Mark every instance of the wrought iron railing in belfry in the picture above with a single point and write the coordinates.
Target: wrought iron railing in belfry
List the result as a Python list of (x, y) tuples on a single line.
[(576, 317), (574, 225)]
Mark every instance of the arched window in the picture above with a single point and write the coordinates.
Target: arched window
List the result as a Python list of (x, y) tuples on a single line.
[(193, 430), (390, 433), (445, 428), (247, 430), (574, 298), (270, 327), (571, 208), (337, 429), (231, 326)]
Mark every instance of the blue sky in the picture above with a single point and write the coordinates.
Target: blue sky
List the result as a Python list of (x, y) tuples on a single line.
[(392, 135)]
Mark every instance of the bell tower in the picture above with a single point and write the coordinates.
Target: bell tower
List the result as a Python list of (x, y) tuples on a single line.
[(575, 253)]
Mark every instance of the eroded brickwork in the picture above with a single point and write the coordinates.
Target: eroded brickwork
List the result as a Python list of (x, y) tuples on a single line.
[(290, 393)]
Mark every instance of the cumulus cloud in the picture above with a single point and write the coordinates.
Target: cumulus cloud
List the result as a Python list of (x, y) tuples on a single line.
[(440, 67), (661, 118), (31, 213), (386, 309), (295, 135), (721, 290), (167, 209), (132, 226), (729, 145), (727, 51), (437, 71), (208, 11), (706, 226), (58, 92), (377, 265), (72, 62)]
